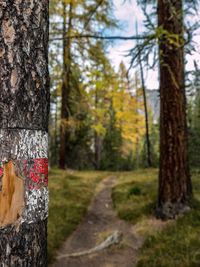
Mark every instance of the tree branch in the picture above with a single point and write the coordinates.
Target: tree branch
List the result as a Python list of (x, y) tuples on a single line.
[(92, 13), (116, 37)]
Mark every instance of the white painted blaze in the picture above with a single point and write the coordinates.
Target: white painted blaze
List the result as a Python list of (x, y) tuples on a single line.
[(23, 144)]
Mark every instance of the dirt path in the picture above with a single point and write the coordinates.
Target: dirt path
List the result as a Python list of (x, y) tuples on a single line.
[(101, 222)]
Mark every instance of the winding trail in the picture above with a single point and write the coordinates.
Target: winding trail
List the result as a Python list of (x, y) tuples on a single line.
[(85, 247)]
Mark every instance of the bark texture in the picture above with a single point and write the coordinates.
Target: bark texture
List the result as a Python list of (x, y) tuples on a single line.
[(16, 245), (22, 144), (24, 107), (23, 64), (175, 187)]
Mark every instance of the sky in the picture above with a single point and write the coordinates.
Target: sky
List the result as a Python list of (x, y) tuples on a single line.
[(128, 13)]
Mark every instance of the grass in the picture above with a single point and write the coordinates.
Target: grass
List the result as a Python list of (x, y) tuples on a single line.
[(70, 195), (176, 245), (135, 194)]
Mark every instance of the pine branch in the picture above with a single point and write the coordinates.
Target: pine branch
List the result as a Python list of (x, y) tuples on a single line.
[(92, 13)]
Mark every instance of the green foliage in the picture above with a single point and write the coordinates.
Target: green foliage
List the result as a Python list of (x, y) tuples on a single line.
[(135, 190), (194, 147), (111, 152), (104, 106), (154, 138), (71, 76), (194, 123), (79, 148), (134, 196)]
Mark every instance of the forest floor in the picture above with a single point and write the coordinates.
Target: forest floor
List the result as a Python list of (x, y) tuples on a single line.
[(177, 244), (70, 194), (89, 244), (118, 229), (99, 224)]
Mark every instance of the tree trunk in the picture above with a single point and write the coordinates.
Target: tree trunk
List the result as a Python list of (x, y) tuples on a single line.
[(97, 153), (24, 107), (137, 154), (66, 86), (148, 143), (97, 138), (175, 188)]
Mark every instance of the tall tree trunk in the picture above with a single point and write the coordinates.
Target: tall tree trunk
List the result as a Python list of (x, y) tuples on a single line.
[(24, 107), (175, 187), (97, 138), (66, 85)]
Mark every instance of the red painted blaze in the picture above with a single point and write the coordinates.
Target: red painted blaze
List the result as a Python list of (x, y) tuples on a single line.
[(39, 172), (34, 171)]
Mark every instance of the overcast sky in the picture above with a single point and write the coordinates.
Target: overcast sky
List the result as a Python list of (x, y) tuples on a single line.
[(128, 13)]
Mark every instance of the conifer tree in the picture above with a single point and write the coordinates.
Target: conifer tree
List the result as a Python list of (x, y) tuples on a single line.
[(175, 188)]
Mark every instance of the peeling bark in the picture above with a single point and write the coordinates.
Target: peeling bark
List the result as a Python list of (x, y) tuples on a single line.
[(24, 107), (11, 195)]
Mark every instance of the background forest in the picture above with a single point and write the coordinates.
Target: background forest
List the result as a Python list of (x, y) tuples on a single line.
[(135, 115), (104, 117)]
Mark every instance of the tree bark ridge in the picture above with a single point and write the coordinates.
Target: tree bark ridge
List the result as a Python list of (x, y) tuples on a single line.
[(24, 108), (174, 178)]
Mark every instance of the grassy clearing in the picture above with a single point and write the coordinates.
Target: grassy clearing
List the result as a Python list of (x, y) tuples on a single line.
[(70, 195), (179, 243), (135, 194)]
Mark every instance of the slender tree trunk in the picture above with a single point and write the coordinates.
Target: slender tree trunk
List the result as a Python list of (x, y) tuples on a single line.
[(148, 143), (56, 130), (24, 108), (137, 122), (175, 187), (97, 139), (98, 144), (66, 85)]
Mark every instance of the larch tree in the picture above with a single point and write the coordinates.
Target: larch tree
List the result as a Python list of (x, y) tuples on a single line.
[(99, 87), (175, 189), (78, 17), (24, 107), (66, 82)]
